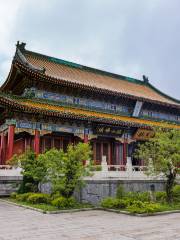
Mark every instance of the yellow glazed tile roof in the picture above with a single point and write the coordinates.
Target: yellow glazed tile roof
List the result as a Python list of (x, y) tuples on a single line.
[(94, 79), (89, 113)]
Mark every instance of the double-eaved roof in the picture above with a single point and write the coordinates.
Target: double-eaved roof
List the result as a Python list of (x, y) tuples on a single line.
[(53, 70), (65, 72)]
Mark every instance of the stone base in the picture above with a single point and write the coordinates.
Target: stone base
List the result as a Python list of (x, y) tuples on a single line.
[(9, 184)]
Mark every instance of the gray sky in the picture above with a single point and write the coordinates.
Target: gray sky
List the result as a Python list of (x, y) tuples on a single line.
[(128, 37)]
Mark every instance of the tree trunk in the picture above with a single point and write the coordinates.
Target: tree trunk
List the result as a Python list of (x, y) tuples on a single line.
[(169, 185)]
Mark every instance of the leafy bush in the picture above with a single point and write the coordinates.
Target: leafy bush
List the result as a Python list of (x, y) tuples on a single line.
[(22, 197), (176, 193), (114, 203), (38, 198), (13, 195), (65, 170), (33, 170), (120, 193), (63, 203), (161, 197), (144, 207), (95, 168), (141, 196), (55, 195)]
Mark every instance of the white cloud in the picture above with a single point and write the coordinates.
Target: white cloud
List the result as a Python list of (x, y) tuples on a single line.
[(8, 13), (129, 37)]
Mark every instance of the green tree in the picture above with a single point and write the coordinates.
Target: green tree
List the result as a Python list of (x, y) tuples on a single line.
[(34, 170), (162, 154), (65, 170)]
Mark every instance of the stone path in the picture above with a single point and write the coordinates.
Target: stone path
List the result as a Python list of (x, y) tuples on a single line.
[(22, 224)]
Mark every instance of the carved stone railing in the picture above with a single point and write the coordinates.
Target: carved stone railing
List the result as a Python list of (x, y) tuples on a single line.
[(136, 168), (7, 170), (117, 167), (4, 167)]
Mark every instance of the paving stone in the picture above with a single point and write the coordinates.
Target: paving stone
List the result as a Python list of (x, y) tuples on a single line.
[(17, 223)]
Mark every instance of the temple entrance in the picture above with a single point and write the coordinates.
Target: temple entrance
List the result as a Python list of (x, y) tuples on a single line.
[(112, 149), (100, 149), (56, 140), (131, 150), (117, 153)]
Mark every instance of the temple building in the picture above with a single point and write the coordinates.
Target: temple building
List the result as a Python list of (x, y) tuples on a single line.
[(47, 103)]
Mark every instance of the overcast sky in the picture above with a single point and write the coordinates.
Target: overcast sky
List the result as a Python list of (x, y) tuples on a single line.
[(128, 37)]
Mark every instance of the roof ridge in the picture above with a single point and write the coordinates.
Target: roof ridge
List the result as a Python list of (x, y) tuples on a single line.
[(163, 94), (24, 52), (87, 68)]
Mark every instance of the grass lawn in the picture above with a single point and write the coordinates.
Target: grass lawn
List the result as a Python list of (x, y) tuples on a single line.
[(48, 207), (167, 207)]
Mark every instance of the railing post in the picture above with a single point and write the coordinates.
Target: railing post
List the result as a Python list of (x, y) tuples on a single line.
[(129, 166), (104, 164)]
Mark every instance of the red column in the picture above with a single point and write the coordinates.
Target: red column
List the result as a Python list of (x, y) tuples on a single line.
[(36, 142), (85, 138), (117, 153), (10, 142), (124, 153), (2, 148), (85, 141), (109, 160), (94, 152)]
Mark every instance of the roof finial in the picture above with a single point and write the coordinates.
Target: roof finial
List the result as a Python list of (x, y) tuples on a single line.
[(21, 46), (145, 79)]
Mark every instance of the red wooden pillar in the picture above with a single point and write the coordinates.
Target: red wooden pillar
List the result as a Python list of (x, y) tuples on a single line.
[(2, 148), (101, 151), (94, 152), (10, 142), (124, 152), (86, 131), (109, 160), (85, 138), (36, 142), (117, 153), (85, 141)]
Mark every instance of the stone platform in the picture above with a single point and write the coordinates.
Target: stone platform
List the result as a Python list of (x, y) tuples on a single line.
[(10, 180)]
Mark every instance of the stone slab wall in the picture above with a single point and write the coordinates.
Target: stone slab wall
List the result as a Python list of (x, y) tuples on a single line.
[(95, 190)]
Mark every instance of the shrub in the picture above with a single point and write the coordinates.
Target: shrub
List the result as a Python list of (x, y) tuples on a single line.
[(144, 207), (22, 197), (141, 196), (120, 193), (137, 204), (144, 196), (161, 197), (63, 203), (95, 168), (13, 195), (65, 169), (176, 193), (55, 195), (38, 198), (114, 203)]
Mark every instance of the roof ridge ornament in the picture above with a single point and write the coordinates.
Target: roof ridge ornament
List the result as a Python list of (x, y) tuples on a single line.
[(19, 56), (145, 79), (20, 46)]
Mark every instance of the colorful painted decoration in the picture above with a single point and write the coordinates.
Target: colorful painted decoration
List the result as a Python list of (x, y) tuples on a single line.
[(143, 134)]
